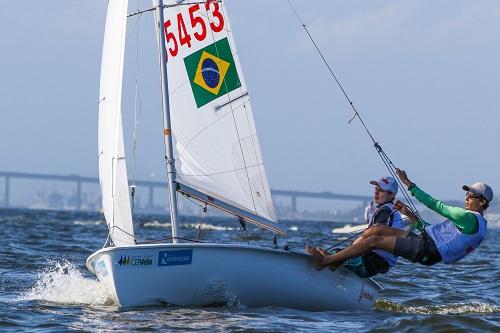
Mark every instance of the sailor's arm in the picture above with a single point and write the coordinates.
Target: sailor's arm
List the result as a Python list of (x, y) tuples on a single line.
[(462, 218)]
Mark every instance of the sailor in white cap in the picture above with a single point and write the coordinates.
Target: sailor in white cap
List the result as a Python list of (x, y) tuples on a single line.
[(378, 261), (463, 230)]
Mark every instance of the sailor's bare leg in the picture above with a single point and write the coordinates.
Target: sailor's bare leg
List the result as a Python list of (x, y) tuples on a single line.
[(381, 230), (386, 243), (376, 237)]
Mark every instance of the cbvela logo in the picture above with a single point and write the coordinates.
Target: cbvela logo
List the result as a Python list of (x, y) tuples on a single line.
[(135, 261), (171, 258)]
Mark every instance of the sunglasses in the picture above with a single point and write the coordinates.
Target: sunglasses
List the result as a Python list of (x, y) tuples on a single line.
[(470, 195)]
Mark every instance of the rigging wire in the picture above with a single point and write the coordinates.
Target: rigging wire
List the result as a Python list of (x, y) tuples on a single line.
[(345, 240), (385, 158), (327, 238), (202, 220), (152, 241), (353, 234)]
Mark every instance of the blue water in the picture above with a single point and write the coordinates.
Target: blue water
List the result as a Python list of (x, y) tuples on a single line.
[(45, 286)]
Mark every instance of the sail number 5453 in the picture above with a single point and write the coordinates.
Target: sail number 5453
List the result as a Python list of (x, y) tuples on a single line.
[(198, 27)]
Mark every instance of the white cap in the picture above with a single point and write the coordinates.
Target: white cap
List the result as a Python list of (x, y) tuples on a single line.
[(388, 184), (480, 188)]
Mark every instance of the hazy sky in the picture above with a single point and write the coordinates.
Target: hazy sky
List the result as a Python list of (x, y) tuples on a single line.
[(425, 76)]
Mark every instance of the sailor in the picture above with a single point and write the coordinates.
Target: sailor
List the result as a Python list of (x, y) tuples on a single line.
[(463, 231), (378, 261)]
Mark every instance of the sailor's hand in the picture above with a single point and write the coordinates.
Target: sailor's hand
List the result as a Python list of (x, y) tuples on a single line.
[(403, 177), (399, 205), (403, 209)]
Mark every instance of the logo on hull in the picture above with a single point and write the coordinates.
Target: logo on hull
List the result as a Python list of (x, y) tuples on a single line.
[(135, 261), (171, 258)]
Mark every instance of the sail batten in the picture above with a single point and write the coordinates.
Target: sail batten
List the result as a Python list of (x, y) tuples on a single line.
[(212, 120), (112, 165)]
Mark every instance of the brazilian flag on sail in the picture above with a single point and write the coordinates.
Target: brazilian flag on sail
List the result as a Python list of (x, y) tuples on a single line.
[(212, 72)]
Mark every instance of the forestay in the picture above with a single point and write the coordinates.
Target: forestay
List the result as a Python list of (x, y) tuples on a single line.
[(112, 167), (212, 120)]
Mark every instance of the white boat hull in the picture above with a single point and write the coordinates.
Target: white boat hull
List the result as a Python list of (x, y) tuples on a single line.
[(211, 274)]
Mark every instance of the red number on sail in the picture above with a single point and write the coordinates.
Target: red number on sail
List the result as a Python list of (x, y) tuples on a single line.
[(216, 14), (170, 37), (184, 37), (197, 20)]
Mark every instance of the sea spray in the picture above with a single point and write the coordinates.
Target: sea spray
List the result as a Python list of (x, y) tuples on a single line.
[(63, 283)]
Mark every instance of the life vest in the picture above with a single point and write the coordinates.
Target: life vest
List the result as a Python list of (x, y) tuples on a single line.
[(395, 221), (369, 212), (451, 243)]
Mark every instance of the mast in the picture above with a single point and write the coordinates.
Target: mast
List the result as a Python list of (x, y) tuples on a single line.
[(167, 130)]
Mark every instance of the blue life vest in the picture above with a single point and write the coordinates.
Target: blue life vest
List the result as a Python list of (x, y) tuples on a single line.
[(395, 221), (452, 244)]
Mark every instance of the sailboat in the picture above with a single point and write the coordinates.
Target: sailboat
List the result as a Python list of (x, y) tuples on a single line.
[(213, 156)]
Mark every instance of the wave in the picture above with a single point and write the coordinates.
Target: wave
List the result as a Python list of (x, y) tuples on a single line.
[(63, 283), (89, 222), (206, 226), (156, 224), (348, 228), (444, 309)]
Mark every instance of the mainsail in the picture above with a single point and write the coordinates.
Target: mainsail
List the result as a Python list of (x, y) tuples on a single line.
[(112, 167), (212, 120)]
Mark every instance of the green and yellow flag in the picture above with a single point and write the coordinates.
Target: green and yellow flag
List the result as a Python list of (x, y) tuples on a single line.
[(212, 72)]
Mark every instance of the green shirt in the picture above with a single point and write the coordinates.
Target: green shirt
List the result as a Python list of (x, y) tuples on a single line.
[(464, 219)]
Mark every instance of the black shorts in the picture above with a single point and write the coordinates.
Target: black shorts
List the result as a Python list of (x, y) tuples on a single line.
[(375, 264), (418, 248)]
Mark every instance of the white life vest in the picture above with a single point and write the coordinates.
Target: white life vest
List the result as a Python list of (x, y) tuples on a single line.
[(369, 212), (395, 221), (451, 243)]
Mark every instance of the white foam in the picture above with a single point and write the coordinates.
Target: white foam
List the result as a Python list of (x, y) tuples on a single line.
[(455, 309), (444, 309), (89, 222), (63, 283), (348, 228), (156, 224), (208, 227)]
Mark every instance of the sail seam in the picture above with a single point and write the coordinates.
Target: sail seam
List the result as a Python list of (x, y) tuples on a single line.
[(236, 126), (270, 210), (205, 128), (221, 172), (259, 164)]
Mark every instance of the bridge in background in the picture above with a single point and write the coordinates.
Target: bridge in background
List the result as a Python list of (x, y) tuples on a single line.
[(151, 185)]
